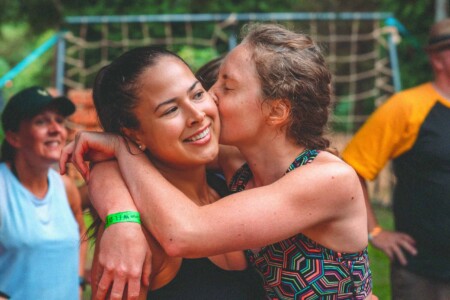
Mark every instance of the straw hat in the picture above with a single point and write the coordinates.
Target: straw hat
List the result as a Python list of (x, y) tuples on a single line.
[(439, 38)]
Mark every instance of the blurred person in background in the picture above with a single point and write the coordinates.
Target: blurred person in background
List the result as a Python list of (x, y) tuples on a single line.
[(413, 130), (41, 220)]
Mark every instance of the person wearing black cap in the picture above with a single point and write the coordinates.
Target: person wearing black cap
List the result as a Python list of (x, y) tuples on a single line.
[(413, 130), (40, 211)]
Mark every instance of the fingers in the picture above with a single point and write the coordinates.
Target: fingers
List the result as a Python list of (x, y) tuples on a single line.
[(74, 153), (103, 285), (147, 270), (398, 253), (394, 244), (404, 243), (116, 284), (66, 155), (117, 288), (407, 243), (78, 152), (134, 287)]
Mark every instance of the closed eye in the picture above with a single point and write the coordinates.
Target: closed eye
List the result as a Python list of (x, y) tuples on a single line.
[(170, 110)]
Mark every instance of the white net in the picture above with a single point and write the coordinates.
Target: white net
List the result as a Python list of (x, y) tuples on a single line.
[(358, 49)]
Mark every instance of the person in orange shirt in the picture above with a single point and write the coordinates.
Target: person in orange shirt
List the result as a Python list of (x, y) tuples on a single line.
[(413, 130)]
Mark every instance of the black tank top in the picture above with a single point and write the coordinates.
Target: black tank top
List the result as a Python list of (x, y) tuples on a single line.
[(200, 279)]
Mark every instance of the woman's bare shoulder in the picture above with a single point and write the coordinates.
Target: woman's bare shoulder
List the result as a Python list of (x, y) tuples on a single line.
[(328, 173)]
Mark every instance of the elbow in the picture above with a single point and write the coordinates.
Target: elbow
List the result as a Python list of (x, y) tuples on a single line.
[(176, 242), (174, 249)]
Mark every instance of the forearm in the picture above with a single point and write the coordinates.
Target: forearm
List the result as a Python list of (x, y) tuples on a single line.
[(108, 191), (83, 253), (121, 249), (83, 243), (168, 212), (371, 217)]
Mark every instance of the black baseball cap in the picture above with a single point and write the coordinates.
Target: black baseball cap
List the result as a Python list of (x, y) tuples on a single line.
[(31, 101)]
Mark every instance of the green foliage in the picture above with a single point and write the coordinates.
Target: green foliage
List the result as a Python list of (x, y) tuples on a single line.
[(21, 22), (197, 58), (17, 45), (4, 66), (2, 135), (415, 16)]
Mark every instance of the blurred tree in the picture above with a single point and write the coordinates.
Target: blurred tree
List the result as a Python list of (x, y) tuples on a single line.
[(42, 15), (417, 19)]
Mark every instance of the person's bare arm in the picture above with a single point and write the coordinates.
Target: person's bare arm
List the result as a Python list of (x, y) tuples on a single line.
[(75, 204), (122, 252), (125, 258), (84, 194), (295, 203), (247, 219), (392, 243), (114, 292)]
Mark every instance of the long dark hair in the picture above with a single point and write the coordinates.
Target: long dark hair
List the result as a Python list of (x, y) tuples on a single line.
[(116, 94), (116, 87)]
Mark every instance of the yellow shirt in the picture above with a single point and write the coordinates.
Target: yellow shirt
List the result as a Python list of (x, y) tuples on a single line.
[(391, 130)]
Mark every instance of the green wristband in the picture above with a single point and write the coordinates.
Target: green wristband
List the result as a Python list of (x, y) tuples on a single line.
[(123, 216)]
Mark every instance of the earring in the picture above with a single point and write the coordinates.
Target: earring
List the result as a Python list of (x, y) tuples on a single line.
[(140, 147)]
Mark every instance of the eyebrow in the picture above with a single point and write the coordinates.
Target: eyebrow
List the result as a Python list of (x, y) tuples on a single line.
[(171, 100)]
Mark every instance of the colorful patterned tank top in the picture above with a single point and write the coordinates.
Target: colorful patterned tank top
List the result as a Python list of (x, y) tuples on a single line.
[(300, 268)]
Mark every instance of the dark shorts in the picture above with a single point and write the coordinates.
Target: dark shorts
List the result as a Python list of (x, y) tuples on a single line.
[(407, 285)]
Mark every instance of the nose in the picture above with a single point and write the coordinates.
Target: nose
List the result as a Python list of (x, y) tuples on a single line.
[(195, 115), (56, 127)]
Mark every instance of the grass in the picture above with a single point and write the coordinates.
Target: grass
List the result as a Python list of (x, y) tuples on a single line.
[(379, 263)]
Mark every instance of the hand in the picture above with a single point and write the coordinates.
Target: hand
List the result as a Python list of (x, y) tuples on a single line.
[(393, 243), (89, 146), (124, 260)]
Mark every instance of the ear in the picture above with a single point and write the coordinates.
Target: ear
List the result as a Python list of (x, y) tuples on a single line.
[(279, 112), (134, 136), (436, 61), (13, 138)]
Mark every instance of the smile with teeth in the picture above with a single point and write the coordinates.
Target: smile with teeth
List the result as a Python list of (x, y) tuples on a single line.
[(198, 136), (52, 143)]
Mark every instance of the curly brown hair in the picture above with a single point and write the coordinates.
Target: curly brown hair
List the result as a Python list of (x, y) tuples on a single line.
[(290, 66)]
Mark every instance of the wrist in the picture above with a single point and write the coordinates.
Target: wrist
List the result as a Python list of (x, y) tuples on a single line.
[(122, 217), (374, 232), (115, 209)]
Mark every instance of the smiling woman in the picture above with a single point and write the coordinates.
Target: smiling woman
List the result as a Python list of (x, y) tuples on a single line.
[(40, 211), (182, 110), (152, 99)]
